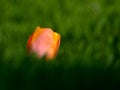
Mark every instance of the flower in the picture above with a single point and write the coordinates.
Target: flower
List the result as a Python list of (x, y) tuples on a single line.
[(44, 42)]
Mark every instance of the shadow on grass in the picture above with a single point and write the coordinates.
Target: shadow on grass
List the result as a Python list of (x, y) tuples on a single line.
[(40, 75)]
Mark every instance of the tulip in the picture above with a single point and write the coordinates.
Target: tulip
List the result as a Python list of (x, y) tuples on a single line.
[(44, 42)]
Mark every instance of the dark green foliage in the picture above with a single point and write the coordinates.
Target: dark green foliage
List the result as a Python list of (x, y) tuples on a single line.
[(89, 55)]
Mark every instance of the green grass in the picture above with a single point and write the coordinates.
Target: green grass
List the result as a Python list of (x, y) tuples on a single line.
[(89, 54)]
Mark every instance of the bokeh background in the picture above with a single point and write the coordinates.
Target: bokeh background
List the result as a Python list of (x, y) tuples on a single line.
[(89, 54)]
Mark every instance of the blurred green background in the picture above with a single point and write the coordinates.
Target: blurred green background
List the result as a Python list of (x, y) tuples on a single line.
[(89, 54)]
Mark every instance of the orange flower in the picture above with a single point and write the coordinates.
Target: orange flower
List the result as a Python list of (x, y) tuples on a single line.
[(44, 42)]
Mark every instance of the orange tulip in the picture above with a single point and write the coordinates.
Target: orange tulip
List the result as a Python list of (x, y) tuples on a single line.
[(44, 42)]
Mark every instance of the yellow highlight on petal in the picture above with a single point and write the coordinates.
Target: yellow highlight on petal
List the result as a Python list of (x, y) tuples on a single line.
[(44, 42)]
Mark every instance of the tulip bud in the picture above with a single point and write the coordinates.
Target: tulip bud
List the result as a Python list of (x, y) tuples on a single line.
[(44, 42)]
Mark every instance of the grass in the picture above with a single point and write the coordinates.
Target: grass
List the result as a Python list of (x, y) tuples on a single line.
[(89, 55)]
